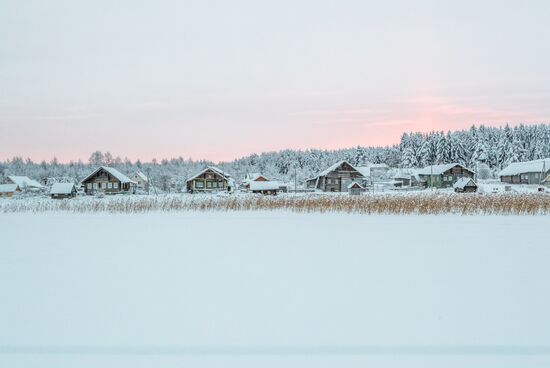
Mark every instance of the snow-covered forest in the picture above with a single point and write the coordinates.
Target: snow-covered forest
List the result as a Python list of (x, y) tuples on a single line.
[(490, 146)]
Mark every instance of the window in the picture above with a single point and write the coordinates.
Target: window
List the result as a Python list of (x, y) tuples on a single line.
[(199, 184), (115, 185), (110, 185), (89, 185), (95, 186), (209, 184)]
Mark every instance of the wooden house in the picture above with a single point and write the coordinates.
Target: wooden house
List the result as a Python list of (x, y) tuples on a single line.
[(355, 189), (443, 176), (108, 180), (265, 187), (336, 178), (25, 183), (209, 180), (465, 185), (528, 172), (8, 190), (142, 181), (63, 190), (257, 177)]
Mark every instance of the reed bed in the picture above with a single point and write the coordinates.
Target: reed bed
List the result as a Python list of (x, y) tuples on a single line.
[(418, 204)]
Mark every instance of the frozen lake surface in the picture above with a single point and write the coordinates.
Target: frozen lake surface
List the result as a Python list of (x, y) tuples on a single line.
[(272, 289)]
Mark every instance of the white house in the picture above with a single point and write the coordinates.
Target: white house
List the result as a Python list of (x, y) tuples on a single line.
[(142, 181)]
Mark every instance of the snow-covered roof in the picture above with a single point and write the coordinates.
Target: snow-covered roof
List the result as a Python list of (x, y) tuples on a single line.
[(8, 188), (24, 182), (62, 188), (224, 174), (264, 185), (355, 185), (112, 171), (335, 166), (464, 182), (547, 180), (364, 170), (141, 175), (379, 166), (439, 169), (253, 177), (535, 166)]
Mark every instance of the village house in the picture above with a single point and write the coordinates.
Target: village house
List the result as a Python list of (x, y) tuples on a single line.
[(444, 175), (63, 190), (465, 185), (355, 188), (142, 181), (264, 187), (336, 178), (24, 183), (528, 172), (245, 184), (108, 180), (209, 180), (8, 190)]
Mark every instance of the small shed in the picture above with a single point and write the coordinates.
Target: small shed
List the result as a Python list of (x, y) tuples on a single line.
[(8, 190), (63, 190), (265, 187), (465, 185), (355, 188)]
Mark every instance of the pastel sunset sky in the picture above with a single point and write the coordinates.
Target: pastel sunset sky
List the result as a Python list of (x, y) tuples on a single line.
[(223, 79)]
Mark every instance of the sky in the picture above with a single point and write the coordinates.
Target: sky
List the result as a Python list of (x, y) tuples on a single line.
[(222, 79)]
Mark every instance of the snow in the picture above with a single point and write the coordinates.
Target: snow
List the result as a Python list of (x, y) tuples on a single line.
[(114, 172), (62, 188), (438, 169), (463, 182), (334, 167), (535, 166), (277, 290), (24, 182), (212, 168), (265, 185), (8, 188), (142, 176)]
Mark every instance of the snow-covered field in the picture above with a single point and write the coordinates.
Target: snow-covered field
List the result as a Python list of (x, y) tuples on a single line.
[(272, 289)]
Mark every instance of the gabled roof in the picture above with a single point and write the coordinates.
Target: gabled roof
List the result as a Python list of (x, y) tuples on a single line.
[(142, 176), (62, 188), (355, 185), (517, 168), (335, 166), (8, 188), (223, 174), (464, 182), (24, 181), (113, 172), (439, 169)]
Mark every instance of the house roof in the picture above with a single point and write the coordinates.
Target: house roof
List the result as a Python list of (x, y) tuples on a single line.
[(253, 177), (112, 171), (8, 188), (364, 170), (464, 182), (335, 166), (62, 188), (355, 185), (265, 185), (142, 176), (517, 168), (24, 181), (224, 174), (547, 180), (439, 169)]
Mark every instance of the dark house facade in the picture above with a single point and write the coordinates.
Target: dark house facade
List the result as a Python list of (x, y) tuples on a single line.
[(108, 180), (443, 176), (209, 180), (336, 178)]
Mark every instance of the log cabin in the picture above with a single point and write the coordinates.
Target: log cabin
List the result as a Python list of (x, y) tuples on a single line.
[(528, 172), (444, 175), (209, 180), (63, 190), (108, 180), (465, 185), (8, 190), (336, 178), (355, 189)]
